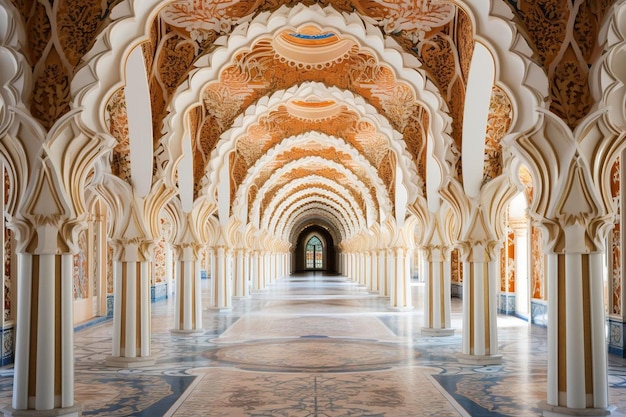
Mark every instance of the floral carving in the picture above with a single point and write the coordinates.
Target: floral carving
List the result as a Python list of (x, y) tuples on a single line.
[(562, 34), (55, 51), (117, 120), (498, 124), (415, 17)]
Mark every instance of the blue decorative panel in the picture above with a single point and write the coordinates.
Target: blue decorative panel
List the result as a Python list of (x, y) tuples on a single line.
[(506, 304), (7, 336), (158, 292), (110, 305), (539, 313), (616, 337), (204, 274)]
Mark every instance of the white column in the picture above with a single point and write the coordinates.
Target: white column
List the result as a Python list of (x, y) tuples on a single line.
[(246, 273), (221, 297), (383, 288), (44, 381), (188, 310), (577, 358), (367, 270), (169, 269), (437, 308), (131, 315), (374, 271), (239, 274), (255, 272), (480, 283), (400, 281)]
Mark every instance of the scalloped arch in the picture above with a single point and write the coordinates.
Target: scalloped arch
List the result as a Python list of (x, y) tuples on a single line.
[(517, 73), (292, 202), (315, 201), (405, 66), (264, 106), (382, 195), (297, 163), (285, 196), (311, 212)]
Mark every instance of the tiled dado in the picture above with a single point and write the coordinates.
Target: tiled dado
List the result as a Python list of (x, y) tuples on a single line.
[(110, 303), (539, 313), (158, 292), (7, 337), (617, 329), (506, 304)]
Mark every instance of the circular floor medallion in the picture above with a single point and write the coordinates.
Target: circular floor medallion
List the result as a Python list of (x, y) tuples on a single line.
[(313, 354)]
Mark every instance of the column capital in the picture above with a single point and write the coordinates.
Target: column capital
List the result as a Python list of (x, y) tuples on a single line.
[(132, 249), (188, 251), (572, 201)]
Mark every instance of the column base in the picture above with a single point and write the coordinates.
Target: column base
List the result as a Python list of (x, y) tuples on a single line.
[(480, 360), (124, 362), (190, 332), (556, 411), (427, 331), (75, 410)]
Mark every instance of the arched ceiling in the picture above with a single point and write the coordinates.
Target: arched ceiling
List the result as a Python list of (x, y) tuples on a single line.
[(352, 99), (298, 111), (311, 113)]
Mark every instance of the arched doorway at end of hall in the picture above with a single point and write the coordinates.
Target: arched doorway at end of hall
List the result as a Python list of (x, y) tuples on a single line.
[(315, 251)]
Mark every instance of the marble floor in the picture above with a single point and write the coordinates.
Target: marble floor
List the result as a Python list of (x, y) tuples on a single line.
[(315, 346)]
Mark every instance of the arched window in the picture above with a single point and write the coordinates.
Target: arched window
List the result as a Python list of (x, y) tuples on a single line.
[(314, 253)]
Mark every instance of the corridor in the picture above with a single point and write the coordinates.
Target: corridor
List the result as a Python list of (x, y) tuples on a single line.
[(314, 345)]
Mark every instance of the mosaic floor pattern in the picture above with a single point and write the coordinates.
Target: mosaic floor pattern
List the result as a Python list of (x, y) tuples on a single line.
[(315, 347)]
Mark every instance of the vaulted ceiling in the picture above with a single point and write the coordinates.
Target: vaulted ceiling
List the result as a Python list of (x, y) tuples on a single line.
[(328, 111)]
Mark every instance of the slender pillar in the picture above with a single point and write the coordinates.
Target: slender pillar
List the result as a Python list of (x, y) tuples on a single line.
[(273, 274), (255, 271), (131, 309), (374, 271), (221, 293), (246, 273), (577, 359), (239, 281), (480, 284), (437, 308), (44, 347), (367, 270), (188, 311), (383, 289), (169, 269), (400, 288)]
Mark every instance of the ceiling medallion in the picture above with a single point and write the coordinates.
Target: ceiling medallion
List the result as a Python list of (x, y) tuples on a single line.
[(313, 108), (311, 48)]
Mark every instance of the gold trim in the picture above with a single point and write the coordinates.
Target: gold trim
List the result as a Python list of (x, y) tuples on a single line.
[(562, 359), (486, 304), (58, 329), (471, 307), (138, 281), (181, 297), (442, 310), (193, 297), (431, 279), (122, 296), (34, 295), (587, 327)]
